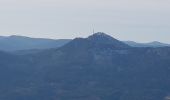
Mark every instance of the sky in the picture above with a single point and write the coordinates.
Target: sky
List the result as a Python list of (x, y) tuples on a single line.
[(136, 20)]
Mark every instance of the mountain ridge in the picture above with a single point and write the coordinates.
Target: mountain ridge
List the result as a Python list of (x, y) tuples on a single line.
[(149, 44), (24, 43), (15, 43)]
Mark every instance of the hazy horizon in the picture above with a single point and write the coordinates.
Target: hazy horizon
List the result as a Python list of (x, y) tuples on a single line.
[(76, 37), (140, 21)]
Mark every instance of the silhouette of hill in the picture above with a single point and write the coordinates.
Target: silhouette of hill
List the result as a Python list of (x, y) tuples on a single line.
[(14, 43), (24, 44), (151, 44)]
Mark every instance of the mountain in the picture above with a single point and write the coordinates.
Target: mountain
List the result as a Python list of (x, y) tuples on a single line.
[(14, 43), (151, 44), (104, 39), (97, 41), (22, 44), (98, 67)]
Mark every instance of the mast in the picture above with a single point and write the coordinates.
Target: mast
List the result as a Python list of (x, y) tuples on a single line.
[(93, 31)]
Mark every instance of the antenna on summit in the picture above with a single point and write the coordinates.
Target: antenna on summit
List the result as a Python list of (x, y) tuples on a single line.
[(93, 29)]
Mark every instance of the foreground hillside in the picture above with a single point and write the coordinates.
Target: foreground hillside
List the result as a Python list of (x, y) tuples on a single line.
[(95, 68)]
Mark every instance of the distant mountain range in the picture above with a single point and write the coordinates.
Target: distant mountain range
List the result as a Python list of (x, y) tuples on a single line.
[(15, 43), (150, 44), (98, 67)]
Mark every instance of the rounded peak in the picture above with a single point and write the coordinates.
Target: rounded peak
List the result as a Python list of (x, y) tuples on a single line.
[(100, 34), (101, 37), (14, 36), (17, 37), (156, 42), (98, 40)]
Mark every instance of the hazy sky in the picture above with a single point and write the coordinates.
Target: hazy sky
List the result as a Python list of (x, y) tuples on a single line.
[(138, 20)]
